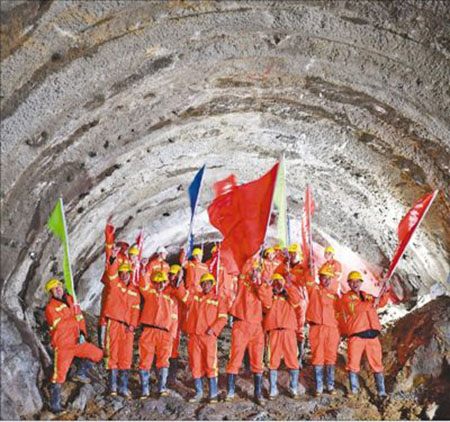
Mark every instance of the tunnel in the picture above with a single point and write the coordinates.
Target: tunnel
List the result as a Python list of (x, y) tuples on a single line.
[(113, 106)]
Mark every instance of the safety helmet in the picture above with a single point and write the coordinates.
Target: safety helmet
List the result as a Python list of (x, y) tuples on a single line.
[(269, 250), (277, 247), (278, 277), (214, 249), (355, 275), (134, 250), (329, 249), (52, 283), (159, 277), (161, 250), (293, 248), (326, 270), (174, 269), (124, 267), (197, 251), (208, 277)]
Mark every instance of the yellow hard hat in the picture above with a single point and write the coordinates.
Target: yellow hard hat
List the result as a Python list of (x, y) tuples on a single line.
[(355, 275), (277, 247), (174, 269), (52, 283), (207, 277), (134, 250), (329, 249), (197, 251), (214, 249), (124, 267), (278, 277), (269, 250), (326, 270), (159, 277), (293, 248)]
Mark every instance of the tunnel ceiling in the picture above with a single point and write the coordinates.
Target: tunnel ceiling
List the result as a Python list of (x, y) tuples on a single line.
[(114, 105)]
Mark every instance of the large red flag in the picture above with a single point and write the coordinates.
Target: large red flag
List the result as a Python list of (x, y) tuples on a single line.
[(242, 213), (307, 246)]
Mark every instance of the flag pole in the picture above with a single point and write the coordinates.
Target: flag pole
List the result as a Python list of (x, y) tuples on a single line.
[(308, 217), (68, 250), (287, 234)]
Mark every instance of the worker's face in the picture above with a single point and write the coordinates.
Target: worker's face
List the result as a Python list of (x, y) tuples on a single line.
[(355, 285), (125, 276), (134, 259), (293, 256), (173, 278), (325, 280), (328, 256), (162, 256), (58, 292), (198, 257), (271, 256), (207, 286), (277, 286)]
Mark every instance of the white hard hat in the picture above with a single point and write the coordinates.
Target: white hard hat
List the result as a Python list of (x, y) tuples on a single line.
[(161, 250)]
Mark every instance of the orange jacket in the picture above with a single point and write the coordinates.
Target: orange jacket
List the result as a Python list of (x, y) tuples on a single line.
[(299, 274), (160, 309), (283, 311), (122, 302), (65, 322), (359, 313), (203, 311), (157, 265), (322, 306), (194, 270), (268, 268)]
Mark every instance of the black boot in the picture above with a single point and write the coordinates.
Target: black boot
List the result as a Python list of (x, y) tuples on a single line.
[(113, 382), (123, 387), (81, 375), (55, 398), (257, 378), (231, 380)]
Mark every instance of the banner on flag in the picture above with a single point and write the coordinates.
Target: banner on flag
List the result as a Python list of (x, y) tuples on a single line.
[(280, 202), (194, 195)]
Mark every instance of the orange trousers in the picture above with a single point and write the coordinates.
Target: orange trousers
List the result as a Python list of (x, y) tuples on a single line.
[(119, 345), (246, 335), (175, 345), (202, 353), (64, 357), (324, 341), (153, 342), (301, 321), (282, 345), (357, 346)]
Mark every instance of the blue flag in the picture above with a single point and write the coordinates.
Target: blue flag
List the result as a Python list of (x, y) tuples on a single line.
[(194, 193)]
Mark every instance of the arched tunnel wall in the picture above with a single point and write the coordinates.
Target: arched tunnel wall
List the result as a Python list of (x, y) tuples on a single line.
[(114, 105)]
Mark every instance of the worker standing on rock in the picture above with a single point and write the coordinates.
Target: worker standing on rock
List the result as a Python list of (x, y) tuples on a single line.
[(281, 323), (363, 328), (247, 330), (121, 309), (195, 268), (206, 317), (321, 315), (159, 321), (68, 338), (333, 265)]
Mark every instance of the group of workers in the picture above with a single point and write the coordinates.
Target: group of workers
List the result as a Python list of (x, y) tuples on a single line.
[(270, 302)]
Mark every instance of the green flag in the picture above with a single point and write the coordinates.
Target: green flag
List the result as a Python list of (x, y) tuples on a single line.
[(57, 225), (280, 201)]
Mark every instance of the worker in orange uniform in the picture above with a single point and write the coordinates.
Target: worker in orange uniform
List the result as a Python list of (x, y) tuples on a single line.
[(281, 323), (363, 328), (247, 330), (270, 263), (195, 268), (159, 320), (159, 263), (335, 266), (67, 333), (324, 336), (121, 309), (206, 317)]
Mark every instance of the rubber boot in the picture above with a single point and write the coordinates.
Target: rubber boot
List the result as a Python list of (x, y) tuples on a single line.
[(273, 378), (293, 382), (55, 398), (330, 379), (113, 382), (354, 383), (213, 389), (318, 373), (162, 382), (173, 369), (145, 383), (257, 378), (198, 383), (101, 335), (231, 381), (123, 384), (379, 380), (81, 375), (300, 354)]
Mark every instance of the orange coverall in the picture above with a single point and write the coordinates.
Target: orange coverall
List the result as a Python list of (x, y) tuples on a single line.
[(121, 309), (159, 319), (321, 316), (361, 318), (247, 327), (204, 312), (281, 323), (66, 324)]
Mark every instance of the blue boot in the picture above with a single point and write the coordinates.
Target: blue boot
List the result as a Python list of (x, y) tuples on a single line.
[(55, 398), (231, 380), (300, 353), (379, 380), (213, 389), (318, 373), (123, 384), (113, 382), (81, 375), (145, 383), (354, 383), (293, 382), (162, 382), (257, 379), (273, 378), (330, 379), (198, 383)]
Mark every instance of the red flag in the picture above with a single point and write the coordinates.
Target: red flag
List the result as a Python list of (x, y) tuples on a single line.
[(242, 213), (408, 226), (307, 247), (224, 186)]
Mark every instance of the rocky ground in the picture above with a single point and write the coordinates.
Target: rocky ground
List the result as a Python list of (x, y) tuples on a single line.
[(417, 370)]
